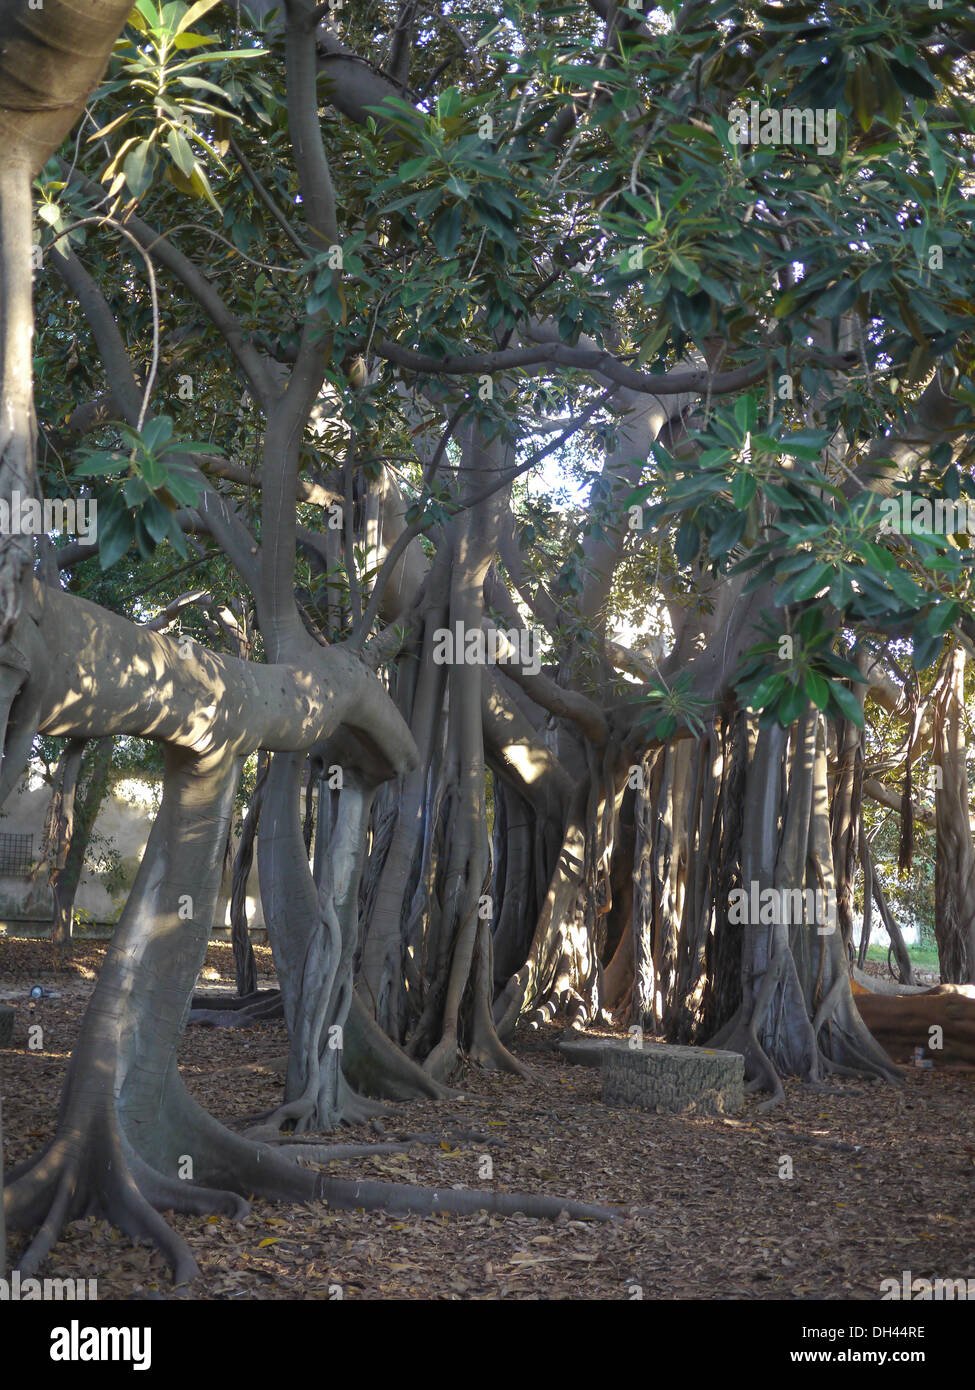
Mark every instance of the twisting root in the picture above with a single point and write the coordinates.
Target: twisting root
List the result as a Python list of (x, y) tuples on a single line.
[(93, 1167)]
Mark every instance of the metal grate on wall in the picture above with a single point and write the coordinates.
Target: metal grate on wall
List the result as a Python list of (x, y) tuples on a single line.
[(16, 854)]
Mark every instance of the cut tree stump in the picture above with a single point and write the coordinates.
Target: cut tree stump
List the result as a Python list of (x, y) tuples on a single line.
[(7, 1016), (903, 1022), (586, 1052), (674, 1080)]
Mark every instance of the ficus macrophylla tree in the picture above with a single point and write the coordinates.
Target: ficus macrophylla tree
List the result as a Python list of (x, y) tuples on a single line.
[(322, 313)]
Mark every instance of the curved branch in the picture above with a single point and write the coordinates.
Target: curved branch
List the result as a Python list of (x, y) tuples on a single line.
[(542, 355)]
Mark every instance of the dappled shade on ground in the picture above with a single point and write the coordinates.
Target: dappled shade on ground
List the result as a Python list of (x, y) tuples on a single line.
[(883, 1178)]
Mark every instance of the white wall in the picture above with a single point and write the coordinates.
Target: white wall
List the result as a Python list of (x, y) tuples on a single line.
[(122, 825)]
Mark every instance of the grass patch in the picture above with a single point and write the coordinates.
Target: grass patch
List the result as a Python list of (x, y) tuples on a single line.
[(924, 957)]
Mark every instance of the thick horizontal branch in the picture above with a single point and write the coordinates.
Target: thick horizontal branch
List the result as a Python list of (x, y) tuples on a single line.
[(540, 355), (887, 796)]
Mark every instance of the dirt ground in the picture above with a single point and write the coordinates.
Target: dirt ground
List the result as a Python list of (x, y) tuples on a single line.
[(883, 1178)]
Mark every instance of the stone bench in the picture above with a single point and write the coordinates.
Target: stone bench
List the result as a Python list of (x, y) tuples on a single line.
[(673, 1080)]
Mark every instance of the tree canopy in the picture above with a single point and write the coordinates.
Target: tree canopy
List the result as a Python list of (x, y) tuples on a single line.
[(545, 430)]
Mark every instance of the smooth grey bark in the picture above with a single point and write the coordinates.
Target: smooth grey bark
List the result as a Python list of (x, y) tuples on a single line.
[(458, 955), (332, 1050), (127, 1129), (80, 784), (245, 967), (41, 96), (382, 961), (515, 905), (954, 883), (898, 946), (3, 1210), (16, 366), (130, 1141), (797, 1015)]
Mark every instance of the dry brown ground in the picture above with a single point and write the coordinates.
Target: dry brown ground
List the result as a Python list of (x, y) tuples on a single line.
[(883, 1179)]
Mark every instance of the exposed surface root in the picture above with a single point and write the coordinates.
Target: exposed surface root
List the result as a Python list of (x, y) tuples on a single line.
[(92, 1167), (303, 1116), (333, 1153), (400, 1199), (237, 1011)]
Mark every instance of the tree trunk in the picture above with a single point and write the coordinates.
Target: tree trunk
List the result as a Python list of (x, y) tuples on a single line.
[(898, 946), (797, 1015), (93, 784), (245, 967), (954, 880)]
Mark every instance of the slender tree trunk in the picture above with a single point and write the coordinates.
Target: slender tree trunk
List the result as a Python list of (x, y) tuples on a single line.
[(954, 881), (16, 367), (3, 1213), (898, 946), (245, 966), (88, 799), (845, 820)]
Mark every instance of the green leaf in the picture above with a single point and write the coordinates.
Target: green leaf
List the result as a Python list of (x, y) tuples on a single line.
[(135, 492), (153, 472), (200, 185), (817, 688), (459, 188), (792, 706), (842, 667), (115, 535), (179, 148), (841, 589), (688, 542), (847, 703), (743, 489), (864, 96), (746, 413), (445, 232), (194, 13), (809, 584), (138, 166), (837, 300), (927, 647), (184, 41), (184, 490), (767, 691), (202, 84), (941, 616), (156, 433), (413, 168), (449, 103), (155, 517), (727, 533), (936, 158), (97, 463)]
